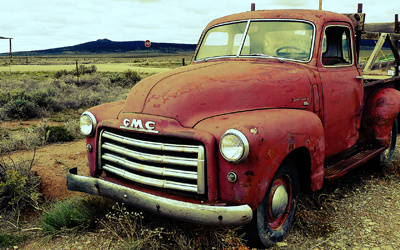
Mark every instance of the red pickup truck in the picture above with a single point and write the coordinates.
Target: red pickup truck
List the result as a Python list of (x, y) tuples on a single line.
[(274, 102)]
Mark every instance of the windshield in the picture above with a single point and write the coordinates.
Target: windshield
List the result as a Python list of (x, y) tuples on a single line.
[(280, 39)]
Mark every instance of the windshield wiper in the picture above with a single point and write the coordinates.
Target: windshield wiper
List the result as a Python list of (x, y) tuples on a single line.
[(257, 54)]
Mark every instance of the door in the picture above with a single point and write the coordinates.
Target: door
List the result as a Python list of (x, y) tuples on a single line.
[(342, 90)]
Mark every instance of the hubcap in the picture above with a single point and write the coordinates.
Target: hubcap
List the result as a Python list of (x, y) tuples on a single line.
[(279, 201)]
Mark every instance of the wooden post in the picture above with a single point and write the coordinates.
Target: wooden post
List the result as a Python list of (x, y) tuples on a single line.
[(147, 61), (358, 35), (360, 7), (395, 48), (372, 58), (77, 72), (10, 51), (320, 4)]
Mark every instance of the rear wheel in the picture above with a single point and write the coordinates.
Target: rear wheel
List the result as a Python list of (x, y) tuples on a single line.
[(275, 215), (387, 156)]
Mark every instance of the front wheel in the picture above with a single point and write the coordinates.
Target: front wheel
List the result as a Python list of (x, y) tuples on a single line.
[(275, 215)]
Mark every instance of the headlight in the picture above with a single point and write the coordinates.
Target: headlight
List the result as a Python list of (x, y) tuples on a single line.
[(88, 123), (234, 146)]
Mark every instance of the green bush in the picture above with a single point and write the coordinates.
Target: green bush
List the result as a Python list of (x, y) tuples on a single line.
[(132, 77), (82, 70), (10, 240), (75, 214), (58, 134), (66, 215), (21, 109), (60, 73)]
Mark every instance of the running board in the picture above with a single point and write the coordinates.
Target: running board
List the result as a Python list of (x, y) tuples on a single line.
[(342, 167)]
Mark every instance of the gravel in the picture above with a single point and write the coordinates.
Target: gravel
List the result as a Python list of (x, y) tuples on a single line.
[(359, 211)]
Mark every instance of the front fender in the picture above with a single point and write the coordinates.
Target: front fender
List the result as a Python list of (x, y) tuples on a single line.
[(272, 135), (381, 111), (101, 112)]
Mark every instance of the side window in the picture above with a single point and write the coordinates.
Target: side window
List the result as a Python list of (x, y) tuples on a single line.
[(337, 50)]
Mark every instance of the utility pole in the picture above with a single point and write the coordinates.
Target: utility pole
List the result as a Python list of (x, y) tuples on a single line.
[(1, 37), (320, 4)]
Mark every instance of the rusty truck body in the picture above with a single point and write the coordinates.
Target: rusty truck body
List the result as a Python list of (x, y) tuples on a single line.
[(274, 101)]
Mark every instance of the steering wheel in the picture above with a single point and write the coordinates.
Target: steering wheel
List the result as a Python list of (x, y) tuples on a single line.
[(297, 51)]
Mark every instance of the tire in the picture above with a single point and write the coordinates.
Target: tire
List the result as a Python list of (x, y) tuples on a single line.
[(387, 156), (275, 215)]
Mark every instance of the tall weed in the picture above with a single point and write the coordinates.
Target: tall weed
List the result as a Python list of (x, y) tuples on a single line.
[(19, 187)]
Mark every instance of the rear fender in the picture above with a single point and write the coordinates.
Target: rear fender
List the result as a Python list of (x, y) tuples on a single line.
[(380, 112), (272, 135)]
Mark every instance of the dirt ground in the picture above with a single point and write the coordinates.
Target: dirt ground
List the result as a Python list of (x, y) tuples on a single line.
[(365, 206)]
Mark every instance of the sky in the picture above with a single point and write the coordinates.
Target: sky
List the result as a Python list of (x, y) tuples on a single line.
[(45, 24)]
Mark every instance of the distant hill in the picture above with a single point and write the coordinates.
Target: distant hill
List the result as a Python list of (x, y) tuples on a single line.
[(105, 46)]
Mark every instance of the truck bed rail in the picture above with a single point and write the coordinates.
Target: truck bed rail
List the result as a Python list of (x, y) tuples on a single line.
[(382, 32)]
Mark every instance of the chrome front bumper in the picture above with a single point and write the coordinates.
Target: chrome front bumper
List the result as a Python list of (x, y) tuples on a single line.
[(186, 211)]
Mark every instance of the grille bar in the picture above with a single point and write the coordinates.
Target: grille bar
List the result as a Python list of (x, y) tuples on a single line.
[(151, 145), (149, 169), (146, 161), (150, 157), (150, 181)]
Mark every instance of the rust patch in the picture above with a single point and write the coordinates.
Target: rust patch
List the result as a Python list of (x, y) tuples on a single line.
[(249, 173), (271, 153), (291, 142)]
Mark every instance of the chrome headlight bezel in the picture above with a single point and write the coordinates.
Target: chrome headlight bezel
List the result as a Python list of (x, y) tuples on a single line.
[(239, 146), (88, 124)]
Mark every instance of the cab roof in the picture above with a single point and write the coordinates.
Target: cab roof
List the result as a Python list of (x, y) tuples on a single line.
[(318, 17)]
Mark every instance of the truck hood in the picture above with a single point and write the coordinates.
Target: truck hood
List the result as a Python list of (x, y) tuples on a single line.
[(193, 93)]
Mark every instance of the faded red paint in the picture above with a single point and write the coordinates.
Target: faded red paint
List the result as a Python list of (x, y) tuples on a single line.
[(284, 108), (381, 111)]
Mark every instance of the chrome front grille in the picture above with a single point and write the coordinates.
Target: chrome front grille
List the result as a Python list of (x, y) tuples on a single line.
[(147, 161)]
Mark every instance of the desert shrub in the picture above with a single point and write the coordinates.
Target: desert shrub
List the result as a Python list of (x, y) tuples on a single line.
[(19, 187), (20, 109), (132, 77), (27, 138), (10, 240), (58, 74), (24, 98), (73, 215), (36, 136), (139, 230), (66, 215), (4, 98), (116, 79), (82, 70), (127, 79), (89, 80), (58, 134), (44, 98), (73, 127)]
